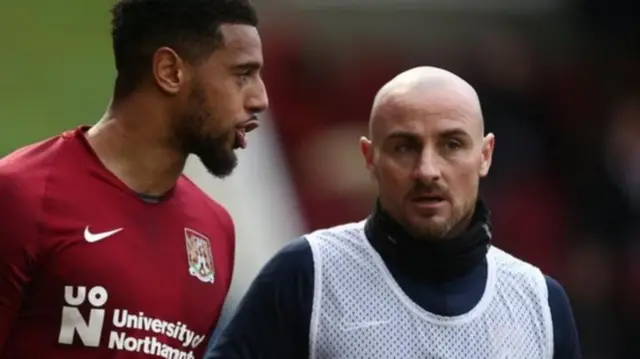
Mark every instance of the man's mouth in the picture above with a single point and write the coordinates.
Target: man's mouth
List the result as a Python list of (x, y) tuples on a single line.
[(428, 200), (250, 125), (242, 130)]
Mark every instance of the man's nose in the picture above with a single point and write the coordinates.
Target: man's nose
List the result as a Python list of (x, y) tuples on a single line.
[(258, 100), (428, 168)]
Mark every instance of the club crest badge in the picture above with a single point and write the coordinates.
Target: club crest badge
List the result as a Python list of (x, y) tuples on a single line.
[(199, 256)]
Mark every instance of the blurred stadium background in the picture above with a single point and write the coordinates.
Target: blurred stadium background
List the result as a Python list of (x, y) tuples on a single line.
[(558, 81)]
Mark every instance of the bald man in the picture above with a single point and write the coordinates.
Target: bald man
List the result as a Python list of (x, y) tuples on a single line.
[(419, 277)]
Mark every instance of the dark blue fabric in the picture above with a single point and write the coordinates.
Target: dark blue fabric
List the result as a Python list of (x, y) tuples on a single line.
[(272, 321)]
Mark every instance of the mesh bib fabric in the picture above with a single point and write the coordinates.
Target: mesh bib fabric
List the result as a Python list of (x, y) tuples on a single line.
[(359, 311)]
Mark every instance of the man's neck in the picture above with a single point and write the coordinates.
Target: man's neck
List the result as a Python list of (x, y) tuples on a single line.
[(136, 150), (430, 259)]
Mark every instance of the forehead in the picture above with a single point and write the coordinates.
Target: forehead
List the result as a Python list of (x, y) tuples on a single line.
[(426, 115), (241, 44)]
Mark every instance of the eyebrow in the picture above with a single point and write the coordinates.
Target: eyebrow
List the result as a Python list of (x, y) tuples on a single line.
[(401, 135), (405, 135), (248, 66), (455, 132)]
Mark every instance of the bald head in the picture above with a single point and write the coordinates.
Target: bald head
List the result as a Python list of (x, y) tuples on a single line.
[(428, 151), (423, 91)]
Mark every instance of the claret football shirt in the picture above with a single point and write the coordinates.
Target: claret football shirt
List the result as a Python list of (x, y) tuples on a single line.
[(89, 269)]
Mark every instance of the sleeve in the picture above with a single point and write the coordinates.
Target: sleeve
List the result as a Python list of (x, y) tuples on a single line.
[(18, 252), (231, 254), (566, 343), (225, 222), (272, 320)]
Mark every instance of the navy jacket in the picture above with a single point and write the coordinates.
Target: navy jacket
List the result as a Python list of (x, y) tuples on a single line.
[(272, 321)]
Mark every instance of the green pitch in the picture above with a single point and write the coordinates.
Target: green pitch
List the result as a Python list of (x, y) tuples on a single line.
[(56, 67)]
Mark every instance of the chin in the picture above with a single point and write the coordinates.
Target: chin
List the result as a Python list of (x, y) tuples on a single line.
[(434, 226), (221, 165), (439, 215)]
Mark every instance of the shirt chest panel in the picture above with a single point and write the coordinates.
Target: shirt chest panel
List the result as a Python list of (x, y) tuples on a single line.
[(126, 256)]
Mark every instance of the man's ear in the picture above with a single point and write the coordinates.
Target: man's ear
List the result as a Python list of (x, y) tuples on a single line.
[(488, 144), (366, 148), (168, 70)]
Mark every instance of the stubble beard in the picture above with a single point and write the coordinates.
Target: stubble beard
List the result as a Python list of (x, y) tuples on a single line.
[(215, 153), (454, 225)]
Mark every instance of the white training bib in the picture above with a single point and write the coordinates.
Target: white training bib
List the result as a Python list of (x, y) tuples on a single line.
[(360, 312)]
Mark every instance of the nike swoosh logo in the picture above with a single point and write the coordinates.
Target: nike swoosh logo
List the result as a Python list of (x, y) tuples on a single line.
[(95, 237), (350, 326)]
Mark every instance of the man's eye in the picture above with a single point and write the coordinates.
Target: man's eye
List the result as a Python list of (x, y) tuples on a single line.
[(403, 148), (453, 145), (243, 78)]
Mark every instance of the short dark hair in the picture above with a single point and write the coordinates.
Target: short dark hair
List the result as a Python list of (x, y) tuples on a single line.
[(189, 27)]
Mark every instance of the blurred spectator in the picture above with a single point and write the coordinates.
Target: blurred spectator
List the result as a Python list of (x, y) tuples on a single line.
[(623, 148), (591, 280)]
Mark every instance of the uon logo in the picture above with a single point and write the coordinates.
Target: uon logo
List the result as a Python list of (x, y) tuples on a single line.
[(89, 331)]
